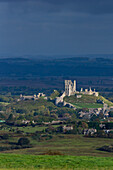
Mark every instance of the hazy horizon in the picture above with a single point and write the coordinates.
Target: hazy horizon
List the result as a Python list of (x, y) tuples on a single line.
[(56, 56)]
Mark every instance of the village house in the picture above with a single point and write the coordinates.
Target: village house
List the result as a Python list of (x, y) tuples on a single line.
[(56, 122), (89, 131), (67, 128), (27, 121), (32, 97)]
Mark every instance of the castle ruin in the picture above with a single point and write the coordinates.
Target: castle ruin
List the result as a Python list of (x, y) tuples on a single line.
[(89, 92), (70, 87)]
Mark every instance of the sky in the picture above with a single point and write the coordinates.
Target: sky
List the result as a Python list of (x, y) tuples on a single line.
[(56, 27)]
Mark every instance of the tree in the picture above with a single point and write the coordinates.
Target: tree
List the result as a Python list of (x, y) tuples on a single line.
[(54, 94), (23, 141), (111, 114), (84, 125), (21, 117), (5, 136), (101, 115), (60, 129), (36, 113), (94, 125), (11, 118), (21, 110)]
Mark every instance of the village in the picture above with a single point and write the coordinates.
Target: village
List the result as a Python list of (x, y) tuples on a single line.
[(87, 114)]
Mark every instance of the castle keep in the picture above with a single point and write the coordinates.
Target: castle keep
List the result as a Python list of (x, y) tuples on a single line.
[(70, 87)]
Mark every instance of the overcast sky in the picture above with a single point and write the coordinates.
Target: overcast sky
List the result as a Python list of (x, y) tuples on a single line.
[(56, 27)]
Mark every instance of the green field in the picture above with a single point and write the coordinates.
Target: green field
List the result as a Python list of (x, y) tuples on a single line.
[(31, 129), (75, 145), (15, 161), (26, 129)]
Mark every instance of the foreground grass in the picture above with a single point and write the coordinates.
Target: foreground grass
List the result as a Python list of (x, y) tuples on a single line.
[(15, 161)]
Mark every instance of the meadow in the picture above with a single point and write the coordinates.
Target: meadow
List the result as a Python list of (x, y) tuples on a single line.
[(15, 161), (67, 144)]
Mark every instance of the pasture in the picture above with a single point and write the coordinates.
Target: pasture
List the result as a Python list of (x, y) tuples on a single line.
[(67, 144)]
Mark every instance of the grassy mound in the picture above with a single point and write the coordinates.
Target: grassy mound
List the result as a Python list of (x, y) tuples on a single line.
[(87, 101), (13, 161)]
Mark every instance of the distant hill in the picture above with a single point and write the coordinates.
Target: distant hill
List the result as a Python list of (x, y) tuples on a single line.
[(75, 66)]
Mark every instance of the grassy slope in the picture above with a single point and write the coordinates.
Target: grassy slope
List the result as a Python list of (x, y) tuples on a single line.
[(87, 101), (106, 101), (54, 162), (75, 145), (88, 105), (4, 103)]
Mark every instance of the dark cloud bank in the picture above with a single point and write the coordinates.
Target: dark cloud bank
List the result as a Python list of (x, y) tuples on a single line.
[(86, 6), (56, 27)]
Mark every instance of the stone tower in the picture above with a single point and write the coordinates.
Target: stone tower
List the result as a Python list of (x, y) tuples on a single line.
[(74, 86), (70, 88)]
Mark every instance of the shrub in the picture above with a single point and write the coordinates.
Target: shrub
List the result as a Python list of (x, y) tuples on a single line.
[(5, 136), (50, 152), (23, 141), (19, 131), (36, 136), (106, 148)]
